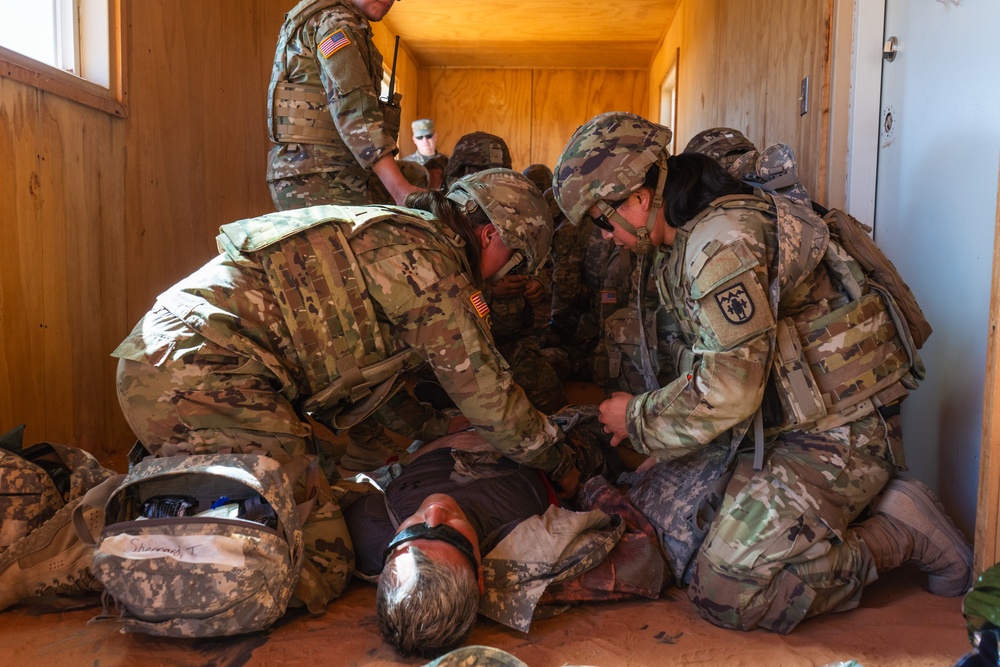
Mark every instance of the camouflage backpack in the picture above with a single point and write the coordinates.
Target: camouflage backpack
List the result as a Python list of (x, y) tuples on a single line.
[(199, 546), (36, 481)]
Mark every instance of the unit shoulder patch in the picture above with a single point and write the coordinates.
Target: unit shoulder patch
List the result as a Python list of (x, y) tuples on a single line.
[(737, 311)]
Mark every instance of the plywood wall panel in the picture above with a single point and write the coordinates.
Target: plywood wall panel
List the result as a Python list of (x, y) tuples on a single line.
[(197, 134), (497, 101), (535, 111), (565, 99), (741, 68), (61, 215)]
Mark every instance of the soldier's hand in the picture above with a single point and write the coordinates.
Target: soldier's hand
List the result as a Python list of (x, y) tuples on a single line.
[(613, 412), (509, 286), (534, 292)]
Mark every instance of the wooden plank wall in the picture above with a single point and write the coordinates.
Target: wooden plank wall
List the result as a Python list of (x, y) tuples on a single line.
[(100, 214), (534, 110), (741, 68)]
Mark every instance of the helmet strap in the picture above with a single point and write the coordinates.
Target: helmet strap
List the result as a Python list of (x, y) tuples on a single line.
[(515, 259), (657, 203)]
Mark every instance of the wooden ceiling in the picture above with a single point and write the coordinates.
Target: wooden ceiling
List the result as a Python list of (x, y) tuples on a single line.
[(531, 33)]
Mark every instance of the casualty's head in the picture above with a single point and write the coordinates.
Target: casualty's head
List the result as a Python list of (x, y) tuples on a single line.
[(431, 582)]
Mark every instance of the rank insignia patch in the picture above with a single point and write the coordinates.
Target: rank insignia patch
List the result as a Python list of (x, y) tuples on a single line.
[(735, 304), (479, 303), (333, 43)]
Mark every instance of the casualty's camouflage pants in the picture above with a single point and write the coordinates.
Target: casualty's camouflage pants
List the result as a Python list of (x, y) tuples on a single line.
[(780, 549), (206, 400)]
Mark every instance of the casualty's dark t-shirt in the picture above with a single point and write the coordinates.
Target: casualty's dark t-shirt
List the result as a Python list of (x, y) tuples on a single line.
[(494, 496)]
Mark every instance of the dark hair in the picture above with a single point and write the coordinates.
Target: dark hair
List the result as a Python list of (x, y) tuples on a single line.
[(448, 212), (694, 180)]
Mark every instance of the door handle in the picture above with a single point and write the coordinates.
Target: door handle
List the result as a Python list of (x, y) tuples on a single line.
[(889, 49)]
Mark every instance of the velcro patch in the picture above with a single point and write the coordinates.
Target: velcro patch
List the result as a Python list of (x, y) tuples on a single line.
[(479, 303), (737, 311), (334, 42), (609, 296)]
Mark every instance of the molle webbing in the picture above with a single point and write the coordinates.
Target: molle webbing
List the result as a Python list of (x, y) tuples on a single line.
[(320, 292), (833, 363), (299, 114)]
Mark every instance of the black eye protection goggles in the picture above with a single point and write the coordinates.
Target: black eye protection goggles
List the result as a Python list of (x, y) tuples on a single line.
[(446, 534)]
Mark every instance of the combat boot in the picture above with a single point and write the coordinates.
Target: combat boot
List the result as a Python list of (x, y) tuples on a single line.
[(49, 559), (911, 527)]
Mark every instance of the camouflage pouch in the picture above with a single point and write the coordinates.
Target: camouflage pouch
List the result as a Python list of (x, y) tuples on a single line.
[(28, 495), (623, 340), (200, 546), (680, 498), (36, 481)]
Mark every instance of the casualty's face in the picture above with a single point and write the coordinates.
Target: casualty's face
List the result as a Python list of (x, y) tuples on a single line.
[(374, 10)]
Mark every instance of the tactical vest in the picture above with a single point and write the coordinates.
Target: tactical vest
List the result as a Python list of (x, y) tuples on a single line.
[(845, 364), (309, 264), (299, 112)]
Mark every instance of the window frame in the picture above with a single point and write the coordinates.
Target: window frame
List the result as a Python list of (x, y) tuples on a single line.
[(111, 100)]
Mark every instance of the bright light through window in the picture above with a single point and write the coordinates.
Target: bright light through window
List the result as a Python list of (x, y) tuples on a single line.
[(41, 29), (70, 35)]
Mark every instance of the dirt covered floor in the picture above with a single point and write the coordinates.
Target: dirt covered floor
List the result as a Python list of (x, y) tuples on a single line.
[(897, 624)]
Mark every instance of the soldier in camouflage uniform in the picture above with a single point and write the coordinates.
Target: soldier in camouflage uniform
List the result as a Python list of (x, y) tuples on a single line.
[(591, 279), (514, 300), (326, 311), (333, 134), (425, 138), (782, 547)]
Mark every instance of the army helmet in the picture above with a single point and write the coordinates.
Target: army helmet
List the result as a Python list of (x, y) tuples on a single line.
[(474, 152), (727, 147), (515, 207), (540, 175), (606, 159)]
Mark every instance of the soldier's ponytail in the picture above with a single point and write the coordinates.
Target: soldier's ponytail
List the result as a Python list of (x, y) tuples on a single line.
[(448, 213)]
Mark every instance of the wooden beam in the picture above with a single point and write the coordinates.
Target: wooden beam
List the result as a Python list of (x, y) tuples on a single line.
[(988, 513)]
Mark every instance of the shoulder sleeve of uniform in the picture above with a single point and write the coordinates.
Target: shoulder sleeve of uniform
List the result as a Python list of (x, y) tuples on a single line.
[(732, 304), (342, 64)]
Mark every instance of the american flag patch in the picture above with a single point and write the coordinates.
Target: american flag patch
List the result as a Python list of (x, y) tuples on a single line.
[(609, 296), (334, 43), (479, 303)]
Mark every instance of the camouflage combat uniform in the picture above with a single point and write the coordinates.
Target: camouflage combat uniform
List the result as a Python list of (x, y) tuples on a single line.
[(230, 358), (780, 549), (324, 110), (513, 327), (592, 278), (422, 159)]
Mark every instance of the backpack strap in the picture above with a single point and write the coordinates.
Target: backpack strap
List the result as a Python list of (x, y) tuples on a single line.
[(96, 497)]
